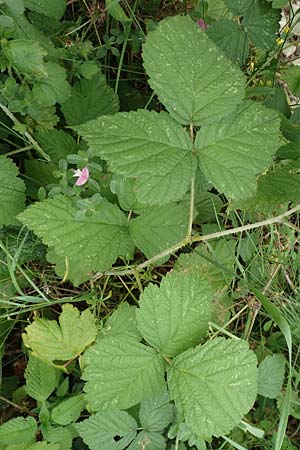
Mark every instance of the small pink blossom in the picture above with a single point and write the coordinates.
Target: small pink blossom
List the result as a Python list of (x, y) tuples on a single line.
[(202, 24), (83, 176)]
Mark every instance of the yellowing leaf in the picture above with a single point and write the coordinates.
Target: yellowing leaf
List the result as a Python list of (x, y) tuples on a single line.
[(62, 340)]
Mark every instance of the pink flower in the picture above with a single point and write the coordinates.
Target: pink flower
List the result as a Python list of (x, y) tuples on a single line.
[(83, 176), (202, 24)]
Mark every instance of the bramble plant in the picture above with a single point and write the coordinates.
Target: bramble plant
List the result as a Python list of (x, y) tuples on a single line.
[(113, 193)]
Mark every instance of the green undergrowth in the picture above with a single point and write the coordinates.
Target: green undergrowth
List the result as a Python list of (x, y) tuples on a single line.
[(149, 225)]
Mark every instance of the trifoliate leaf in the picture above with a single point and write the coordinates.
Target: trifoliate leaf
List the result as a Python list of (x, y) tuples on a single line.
[(41, 379), (241, 146), (175, 315), (122, 321), (26, 56), (69, 410), (156, 413), (53, 8), (18, 431), (147, 146), (159, 228), (12, 197), (63, 340), (54, 88), (271, 376), (90, 99), (191, 76), (120, 372), (95, 241), (148, 440), (261, 23), (231, 39), (116, 429), (57, 144), (238, 7), (214, 385)]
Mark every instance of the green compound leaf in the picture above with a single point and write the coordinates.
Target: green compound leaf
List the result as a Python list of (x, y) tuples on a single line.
[(238, 7), (69, 410), (26, 56), (214, 385), (108, 426), (271, 376), (54, 88), (90, 99), (95, 241), (190, 75), (234, 151), (159, 228), (120, 372), (12, 188), (41, 379), (231, 39), (261, 23), (147, 146), (18, 431), (175, 315), (60, 341), (156, 413), (53, 8)]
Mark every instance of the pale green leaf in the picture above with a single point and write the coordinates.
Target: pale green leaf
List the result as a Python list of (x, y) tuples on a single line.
[(12, 197), (26, 31), (156, 413), (231, 39), (14, 7), (217, 9), (18, 431), (41, 378), (53, 8), (261, 23), (238, 7), (234, 151), (175, 315), (60, 341), (108, 431), (191, 76), (69, 410), (57, 144), (148, 441), (122, 321), (54, 88), (271, 376), (26, 56), (78, 238), (214, 385), (120, 372), (90, 99), (160, 228), (59, 435), (147, 146)]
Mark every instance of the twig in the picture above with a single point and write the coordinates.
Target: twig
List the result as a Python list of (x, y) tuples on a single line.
[(207, 237), (15, 405), (33, 142)]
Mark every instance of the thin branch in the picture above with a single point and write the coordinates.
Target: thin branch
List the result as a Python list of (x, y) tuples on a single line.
[(35, 145), (16, 406), (207, 237)]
